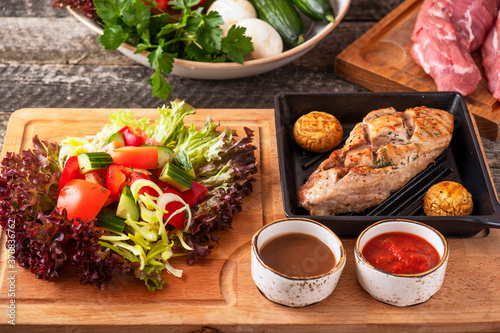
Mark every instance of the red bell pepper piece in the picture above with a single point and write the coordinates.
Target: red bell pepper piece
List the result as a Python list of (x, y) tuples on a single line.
[(176, 220), (145, 157), (71, 171), (194, 194), (134, 136), (115, 180)]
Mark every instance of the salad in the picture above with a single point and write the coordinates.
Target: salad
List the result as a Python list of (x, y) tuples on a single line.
[(127, 199)]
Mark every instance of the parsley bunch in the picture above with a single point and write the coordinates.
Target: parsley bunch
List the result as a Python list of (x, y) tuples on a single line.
[(190, 35)]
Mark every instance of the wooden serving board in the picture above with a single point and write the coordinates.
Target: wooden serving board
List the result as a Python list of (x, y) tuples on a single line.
[(380, 60), (218, 293)]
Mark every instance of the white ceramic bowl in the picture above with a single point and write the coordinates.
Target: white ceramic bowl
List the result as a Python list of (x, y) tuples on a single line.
[(315, 31), (294, 291), (401, 289)]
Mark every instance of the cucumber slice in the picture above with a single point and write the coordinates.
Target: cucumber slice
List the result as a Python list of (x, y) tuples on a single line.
[(176, 177), (94, 161), (183, 161), (165, 154), (127, 205), (116, 137), (107, 218)]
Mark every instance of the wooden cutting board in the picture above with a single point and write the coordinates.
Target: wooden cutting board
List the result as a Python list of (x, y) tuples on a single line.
[(380, 60), (218, 292)]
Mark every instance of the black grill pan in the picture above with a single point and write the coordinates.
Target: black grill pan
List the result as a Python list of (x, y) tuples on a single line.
[(462, 162)]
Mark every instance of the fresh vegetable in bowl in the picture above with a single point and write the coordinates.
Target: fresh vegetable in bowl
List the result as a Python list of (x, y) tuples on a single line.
[(188, 34), (130, 197), (190, 39)]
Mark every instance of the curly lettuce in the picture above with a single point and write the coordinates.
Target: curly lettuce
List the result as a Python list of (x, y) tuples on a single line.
[(44, 236)]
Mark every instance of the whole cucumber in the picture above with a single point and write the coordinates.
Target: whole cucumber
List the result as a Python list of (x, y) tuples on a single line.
[(318, 10), (282, 16)]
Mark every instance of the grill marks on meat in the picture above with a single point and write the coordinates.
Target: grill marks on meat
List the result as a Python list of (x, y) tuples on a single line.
[(381, 154), (445, 34)]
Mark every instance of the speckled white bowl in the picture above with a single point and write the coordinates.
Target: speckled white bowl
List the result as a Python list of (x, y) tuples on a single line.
[(401, 289), (294, 291)]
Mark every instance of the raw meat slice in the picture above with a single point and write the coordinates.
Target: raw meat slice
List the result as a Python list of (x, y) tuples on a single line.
[(473, 20), (445, 33), (490, 54)]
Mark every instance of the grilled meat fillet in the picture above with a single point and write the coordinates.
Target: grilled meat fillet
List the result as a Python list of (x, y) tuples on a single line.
[(381, 154)]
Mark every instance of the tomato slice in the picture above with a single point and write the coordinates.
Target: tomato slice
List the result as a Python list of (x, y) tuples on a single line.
[(71, 171), (82, 199), (145, 157), (97, 177), (119, 175), (194, 194)]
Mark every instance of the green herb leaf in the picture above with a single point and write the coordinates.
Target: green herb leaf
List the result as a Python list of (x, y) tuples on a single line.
[(236, 45), (209, 33), (196, 52), (161, 87), (137, 16), (113, 37), (107, 10)]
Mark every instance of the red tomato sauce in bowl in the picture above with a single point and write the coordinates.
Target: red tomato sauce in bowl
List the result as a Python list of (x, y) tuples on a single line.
[(401, 253)]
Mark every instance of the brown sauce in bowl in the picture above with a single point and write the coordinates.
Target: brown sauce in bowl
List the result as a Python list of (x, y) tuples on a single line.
[(298, 255)]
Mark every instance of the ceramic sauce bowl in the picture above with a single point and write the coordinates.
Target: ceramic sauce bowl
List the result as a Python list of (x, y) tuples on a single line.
[(400, 289), (298, 284)]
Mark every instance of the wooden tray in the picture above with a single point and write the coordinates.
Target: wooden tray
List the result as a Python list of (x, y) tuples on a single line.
[(380, 60), (219, 293)]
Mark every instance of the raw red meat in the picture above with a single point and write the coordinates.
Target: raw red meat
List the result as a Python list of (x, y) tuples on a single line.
[(491, 60), (473, 20), (445, 33)]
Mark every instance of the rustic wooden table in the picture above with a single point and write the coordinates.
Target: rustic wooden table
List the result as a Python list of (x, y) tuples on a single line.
[(49, 60)]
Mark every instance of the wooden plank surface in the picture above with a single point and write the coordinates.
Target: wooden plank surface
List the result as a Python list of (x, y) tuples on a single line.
[(218, 292), (380, 60)]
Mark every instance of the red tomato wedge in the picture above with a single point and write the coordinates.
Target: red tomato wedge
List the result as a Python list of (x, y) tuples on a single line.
[(119, 175), (71, 171), (97, 177), (82, 199), (145, 157)]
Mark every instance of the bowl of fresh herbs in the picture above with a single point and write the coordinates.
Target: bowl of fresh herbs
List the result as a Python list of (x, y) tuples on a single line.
[(185, 39)]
